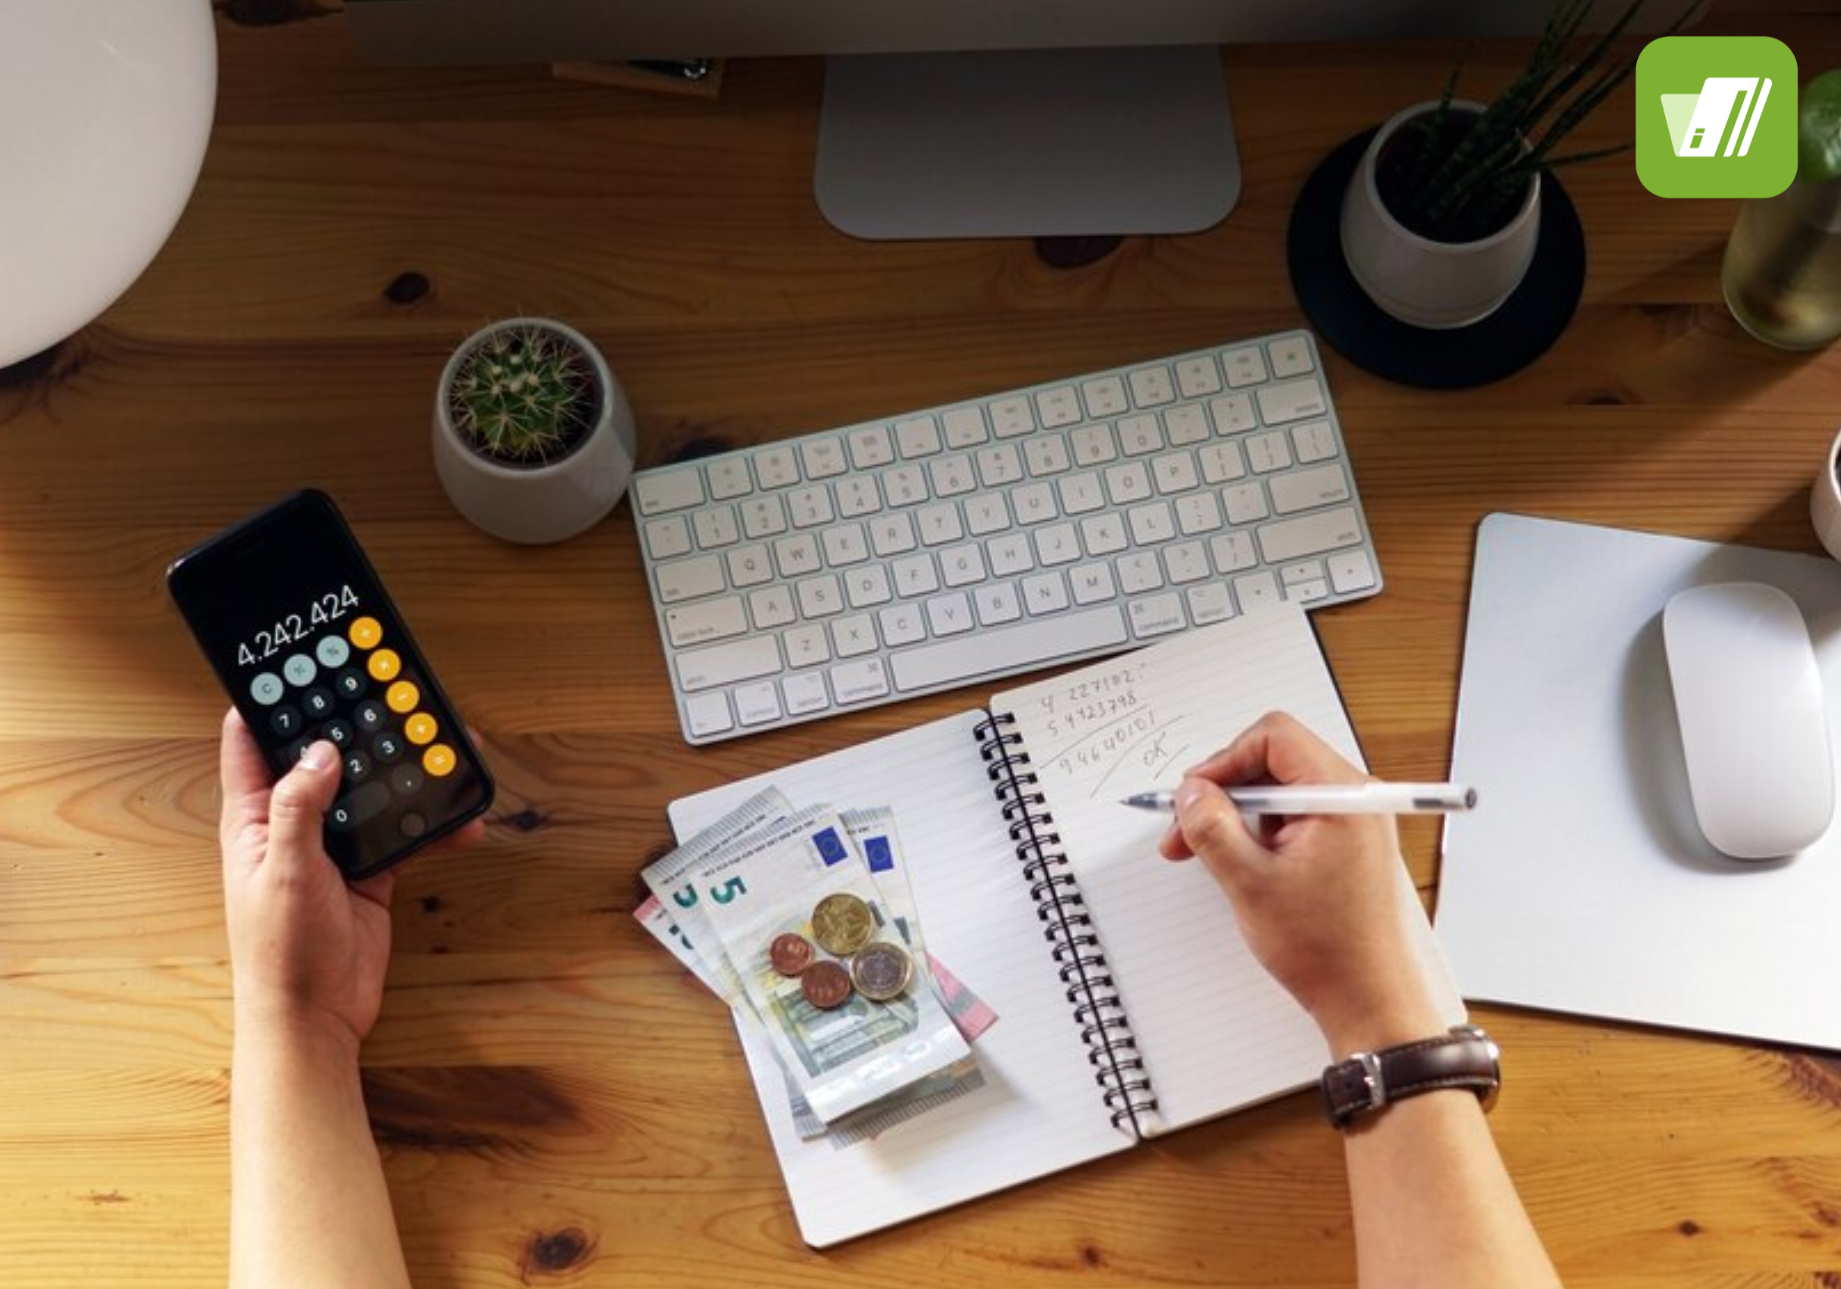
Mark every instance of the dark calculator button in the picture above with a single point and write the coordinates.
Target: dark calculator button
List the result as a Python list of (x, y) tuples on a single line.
[(339, 733), (357, 767), (350, 683), (370, 716), (357, 806), (412, 824), (285, 721), (388, 747), (407, 779), (317, 703), (292, 754)]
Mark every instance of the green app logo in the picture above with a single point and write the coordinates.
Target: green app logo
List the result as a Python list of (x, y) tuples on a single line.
[(1716, 116)]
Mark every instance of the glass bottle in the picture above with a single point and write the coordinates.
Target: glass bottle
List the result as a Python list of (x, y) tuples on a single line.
[(1782, 275)]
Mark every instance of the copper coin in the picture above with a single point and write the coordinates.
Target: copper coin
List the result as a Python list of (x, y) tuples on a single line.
[(881, 971), (825, 985), (789, 953), (842, 924)]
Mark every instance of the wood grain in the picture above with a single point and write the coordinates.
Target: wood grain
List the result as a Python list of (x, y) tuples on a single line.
[(556, 1102)]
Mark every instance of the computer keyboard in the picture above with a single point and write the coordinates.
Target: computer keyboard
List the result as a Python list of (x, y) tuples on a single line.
[(902, 556)]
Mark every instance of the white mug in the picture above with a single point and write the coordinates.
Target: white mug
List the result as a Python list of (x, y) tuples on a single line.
[(1825, 500)]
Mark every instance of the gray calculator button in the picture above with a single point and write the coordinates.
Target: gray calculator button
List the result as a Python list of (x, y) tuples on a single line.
[(299, 670), (412, 825), (333, 651), (285, 721), (407, 779), (266, 689), (357, 806)]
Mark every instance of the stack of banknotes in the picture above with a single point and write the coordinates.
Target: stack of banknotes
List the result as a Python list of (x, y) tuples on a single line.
[(804, 923)]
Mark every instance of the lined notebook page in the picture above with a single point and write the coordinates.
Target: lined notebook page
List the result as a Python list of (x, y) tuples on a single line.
[(1040, 1109), (1216, 1032)]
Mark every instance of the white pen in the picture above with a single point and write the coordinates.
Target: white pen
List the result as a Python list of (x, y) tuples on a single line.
[(1333, 799)]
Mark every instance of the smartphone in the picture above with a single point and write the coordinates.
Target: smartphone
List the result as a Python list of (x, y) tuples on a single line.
[(298, 627)]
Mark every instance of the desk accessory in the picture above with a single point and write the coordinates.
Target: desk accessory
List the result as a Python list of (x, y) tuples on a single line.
[(1331, 799), (108, 105), (1588, 886), (1062, 521), (298, 627), (1131, 1007), (1464, 1057), (533, 436)]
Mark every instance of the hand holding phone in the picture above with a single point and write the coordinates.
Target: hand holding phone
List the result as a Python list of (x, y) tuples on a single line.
[(298, 627)]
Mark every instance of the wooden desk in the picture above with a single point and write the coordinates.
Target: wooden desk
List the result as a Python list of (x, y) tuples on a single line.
[(557, 1102)]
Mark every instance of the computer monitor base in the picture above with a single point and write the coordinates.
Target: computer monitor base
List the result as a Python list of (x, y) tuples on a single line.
[(1029, 143)]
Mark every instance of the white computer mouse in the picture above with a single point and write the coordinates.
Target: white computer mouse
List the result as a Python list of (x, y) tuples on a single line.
[(1753, 722)]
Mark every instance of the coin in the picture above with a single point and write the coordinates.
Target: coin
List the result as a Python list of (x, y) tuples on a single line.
[(842, 924), (789, 953), (825, 985), (881, 971)]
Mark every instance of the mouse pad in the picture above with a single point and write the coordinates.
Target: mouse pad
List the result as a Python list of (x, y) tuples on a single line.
[(1582, 883)]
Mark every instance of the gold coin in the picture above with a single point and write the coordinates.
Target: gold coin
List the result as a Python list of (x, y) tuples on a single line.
[(842, 924), (881, 971)]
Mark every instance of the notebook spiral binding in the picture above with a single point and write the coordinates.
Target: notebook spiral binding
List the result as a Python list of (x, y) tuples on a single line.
[(1080, 962)]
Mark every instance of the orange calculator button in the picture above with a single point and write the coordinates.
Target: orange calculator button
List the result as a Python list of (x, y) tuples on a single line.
[(402, 697), (366, 632), (420, 728), (385, 664), (439, 760)]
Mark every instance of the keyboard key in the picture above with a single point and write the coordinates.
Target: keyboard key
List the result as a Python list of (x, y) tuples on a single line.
[(1046, 454), (716, 527), (1245, 503), (1103, 534), (1093, 445), (820, 597), (857, 682), (1035, 503), (918, 436), (1140, 436), (1186, 423), (1292, 400), (1198, 377), (1311, 570), (772, 606), (1104, 397), (763, 517), (692, 624), (1044, 593), (810, 506), (1139, 572), (1197, 513), (805, 693), (1152, 524), (857, 496), (854, 636), (1268, 452), (806, 646), (1323, 485), (1058, 407), (949, 615), (870, 447), (964, 427), (748, 566), (1232, 552), (1081, 493), (659, 491), (1011, 417), (757, 704), (1129, 483), (729, 478), (987, 514), (822, 458), (1056, 545), (1308, 592), (999, 465), (796, 556), (1208, 603), (1351, 571), (1093, 583), (1327, 530), (1157, 615), (667, 538), (902, 624), (939, 525), (915, 575), (845, 545), (1027, 644), (749, 658), (1174, 472), (962, 565), (867, 586), (906, 485), (776, 467), (1245, 366), (708, 714), (1290, 356), (952, 476), (1255, 591), (891, 535), (997, 603), (1232, 414), (1221, 463), (1314, 441), (1010, 554), (1185, 562), (1152, 386), (686, 579)]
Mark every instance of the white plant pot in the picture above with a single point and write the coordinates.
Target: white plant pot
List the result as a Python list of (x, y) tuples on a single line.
[(1431, 284), (545, 503)]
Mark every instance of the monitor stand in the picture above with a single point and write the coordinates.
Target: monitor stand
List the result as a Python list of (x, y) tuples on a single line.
[(1027, 143)]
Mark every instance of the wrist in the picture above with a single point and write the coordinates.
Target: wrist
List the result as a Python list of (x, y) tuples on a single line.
[(1369, 1029), (292, 1028)]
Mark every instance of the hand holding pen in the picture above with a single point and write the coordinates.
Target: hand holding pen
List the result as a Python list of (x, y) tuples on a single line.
[(1331, 799)]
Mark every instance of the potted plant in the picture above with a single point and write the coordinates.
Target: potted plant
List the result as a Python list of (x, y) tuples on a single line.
[(1441, 219), (533, 437)]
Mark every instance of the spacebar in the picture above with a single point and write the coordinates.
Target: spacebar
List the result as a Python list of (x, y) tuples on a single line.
[(1007, 648)]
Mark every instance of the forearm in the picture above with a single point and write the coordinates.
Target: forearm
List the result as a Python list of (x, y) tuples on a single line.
[(1434, 1205), (309, 1207)]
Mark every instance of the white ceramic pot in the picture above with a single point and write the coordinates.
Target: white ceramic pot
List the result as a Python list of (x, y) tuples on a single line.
[(1425, 283), (544, 503)]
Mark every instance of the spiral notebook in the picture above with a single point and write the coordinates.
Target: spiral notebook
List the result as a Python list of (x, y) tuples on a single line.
[(1129, 1005)]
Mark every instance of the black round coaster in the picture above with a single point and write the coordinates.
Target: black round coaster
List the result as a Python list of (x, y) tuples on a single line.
[(1523, 329)]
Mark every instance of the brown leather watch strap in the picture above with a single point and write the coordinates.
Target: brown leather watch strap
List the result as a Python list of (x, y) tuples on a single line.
[(1465, 1057)]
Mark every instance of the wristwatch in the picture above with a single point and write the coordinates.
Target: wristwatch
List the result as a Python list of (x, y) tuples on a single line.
[(1464, 1057)]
